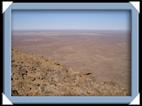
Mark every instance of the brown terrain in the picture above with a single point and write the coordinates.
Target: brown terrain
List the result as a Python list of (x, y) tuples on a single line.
[(71, 63)]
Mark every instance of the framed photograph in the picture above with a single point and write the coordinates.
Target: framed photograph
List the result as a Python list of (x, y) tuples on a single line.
[(71, 53)]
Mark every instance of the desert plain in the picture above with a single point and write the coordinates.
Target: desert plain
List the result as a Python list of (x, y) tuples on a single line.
[(71, 63)]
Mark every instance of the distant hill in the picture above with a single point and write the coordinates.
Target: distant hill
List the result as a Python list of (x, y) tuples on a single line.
[(38, 76)]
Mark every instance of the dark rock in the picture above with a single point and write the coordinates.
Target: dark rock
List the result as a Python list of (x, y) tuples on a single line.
[(15, 92), (13, 60), (38, 84), (87, 73)]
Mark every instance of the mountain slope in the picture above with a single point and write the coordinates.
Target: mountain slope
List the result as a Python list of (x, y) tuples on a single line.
[(37, 76)]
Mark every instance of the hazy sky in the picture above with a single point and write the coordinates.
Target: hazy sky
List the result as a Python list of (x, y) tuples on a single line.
[(70, 20)]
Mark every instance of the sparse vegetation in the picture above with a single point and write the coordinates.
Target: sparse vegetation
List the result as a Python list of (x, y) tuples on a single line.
[(38, 76)]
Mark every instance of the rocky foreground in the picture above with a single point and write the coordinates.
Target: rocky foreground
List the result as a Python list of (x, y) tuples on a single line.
[(37, 76)]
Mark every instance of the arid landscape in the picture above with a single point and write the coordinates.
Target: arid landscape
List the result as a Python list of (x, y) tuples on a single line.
[(71, 63)]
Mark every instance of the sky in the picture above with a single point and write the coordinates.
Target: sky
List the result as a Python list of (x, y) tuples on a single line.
[(70, 20)]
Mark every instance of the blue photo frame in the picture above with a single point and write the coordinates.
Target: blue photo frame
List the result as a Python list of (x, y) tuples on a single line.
[(71, 99)]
